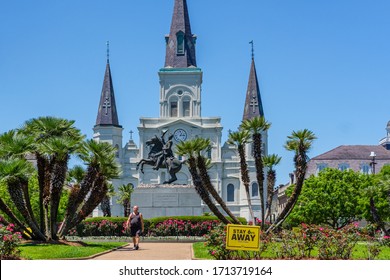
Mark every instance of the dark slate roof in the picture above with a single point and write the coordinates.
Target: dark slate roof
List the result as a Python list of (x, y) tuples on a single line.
[(107, 114), (360, 152), (253, 105), (180, 22)]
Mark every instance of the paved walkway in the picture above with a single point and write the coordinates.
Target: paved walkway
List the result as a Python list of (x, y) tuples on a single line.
[(150, 251)]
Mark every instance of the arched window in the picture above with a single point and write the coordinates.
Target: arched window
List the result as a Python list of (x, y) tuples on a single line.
[(209, 153), (255, 189), (173, 109), (180, 42), (230, 193), (186, 108)]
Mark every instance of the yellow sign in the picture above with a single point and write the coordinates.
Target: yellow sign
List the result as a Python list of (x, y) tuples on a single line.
[(243, 237)]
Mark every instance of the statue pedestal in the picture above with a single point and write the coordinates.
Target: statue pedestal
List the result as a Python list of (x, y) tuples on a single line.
[(156, 200)]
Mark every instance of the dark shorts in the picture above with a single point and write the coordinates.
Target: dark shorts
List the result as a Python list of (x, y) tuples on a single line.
[(135, 231)]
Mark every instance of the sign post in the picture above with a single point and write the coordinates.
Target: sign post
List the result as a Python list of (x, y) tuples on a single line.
[(245, 238)]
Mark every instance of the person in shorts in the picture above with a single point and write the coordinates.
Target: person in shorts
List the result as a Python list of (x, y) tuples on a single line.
[(135, 223)]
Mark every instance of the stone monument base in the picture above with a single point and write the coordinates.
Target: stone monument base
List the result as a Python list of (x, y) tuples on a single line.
[(156, 200)]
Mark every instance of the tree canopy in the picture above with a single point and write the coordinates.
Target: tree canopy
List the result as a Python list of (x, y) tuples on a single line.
[(333, 197)]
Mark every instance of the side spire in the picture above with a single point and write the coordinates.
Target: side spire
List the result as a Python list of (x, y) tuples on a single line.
[(253, 105), (180, 43), (107, 113)]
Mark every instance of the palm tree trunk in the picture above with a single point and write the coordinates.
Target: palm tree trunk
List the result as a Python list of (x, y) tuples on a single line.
[(58, 176), (41, 165), (204, 195), (76, 199), (205, 178), (377, 218), (245, 179), (126, 207), (4, 207), (301, 165), (257, 143), (270, 192), (105, 204), (26, 198), (16, 194), (98, 192)]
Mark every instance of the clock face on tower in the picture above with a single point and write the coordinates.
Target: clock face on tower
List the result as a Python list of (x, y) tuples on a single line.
[(180, 135)]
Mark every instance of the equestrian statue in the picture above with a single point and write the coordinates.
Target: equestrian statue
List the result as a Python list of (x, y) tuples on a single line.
[(161, 156)]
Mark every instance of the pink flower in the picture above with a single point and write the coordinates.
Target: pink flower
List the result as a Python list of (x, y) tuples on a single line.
[(213, 253), (386, 237)]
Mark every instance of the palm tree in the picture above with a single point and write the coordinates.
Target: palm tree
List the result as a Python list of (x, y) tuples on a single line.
[(125, 192), (54, 139), (188, 149), (204, 144), (270, 161), (256, 126), (300, 142), (240, 138)]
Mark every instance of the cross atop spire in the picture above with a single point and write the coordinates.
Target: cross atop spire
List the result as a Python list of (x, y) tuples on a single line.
[(253, 50), (108, 51), (180, 43), (253, 105), (107, 114)]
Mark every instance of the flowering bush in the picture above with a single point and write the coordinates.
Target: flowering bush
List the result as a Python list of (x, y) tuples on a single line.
[(337, 244), (9, 240), (173, 227), (98, 228), (331, 244)]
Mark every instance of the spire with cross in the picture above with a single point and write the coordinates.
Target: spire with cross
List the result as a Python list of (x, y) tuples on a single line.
[(107, 113), (253, 106)]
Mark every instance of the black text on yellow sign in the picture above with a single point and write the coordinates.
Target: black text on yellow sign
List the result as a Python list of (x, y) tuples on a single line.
[(243, 237)]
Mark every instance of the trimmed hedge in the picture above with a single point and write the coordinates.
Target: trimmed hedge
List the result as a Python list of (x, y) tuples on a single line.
[(160, 226)]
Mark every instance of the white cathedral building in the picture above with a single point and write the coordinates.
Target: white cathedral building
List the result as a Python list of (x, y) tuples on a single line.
[(180, 97)]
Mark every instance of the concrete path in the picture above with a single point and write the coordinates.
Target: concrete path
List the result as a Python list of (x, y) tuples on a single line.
[(150, 251)]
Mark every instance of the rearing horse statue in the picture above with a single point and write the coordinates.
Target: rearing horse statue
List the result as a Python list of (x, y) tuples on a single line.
[(161, 156)]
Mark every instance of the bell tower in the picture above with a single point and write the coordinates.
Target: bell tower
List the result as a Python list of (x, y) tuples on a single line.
[(180, 79)]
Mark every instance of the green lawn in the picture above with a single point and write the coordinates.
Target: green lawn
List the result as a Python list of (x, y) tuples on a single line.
[(60, 251), (359, 252)]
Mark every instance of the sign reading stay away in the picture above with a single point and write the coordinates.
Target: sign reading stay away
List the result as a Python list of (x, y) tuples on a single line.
[(243, 237)]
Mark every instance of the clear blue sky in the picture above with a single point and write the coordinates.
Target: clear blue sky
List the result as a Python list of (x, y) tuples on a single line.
[(322, 65)]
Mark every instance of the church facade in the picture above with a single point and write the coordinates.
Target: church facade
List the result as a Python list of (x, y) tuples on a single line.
[(180, 97)]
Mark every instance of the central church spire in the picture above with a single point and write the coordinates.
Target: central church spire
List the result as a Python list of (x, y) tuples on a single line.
[(180, 43)]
